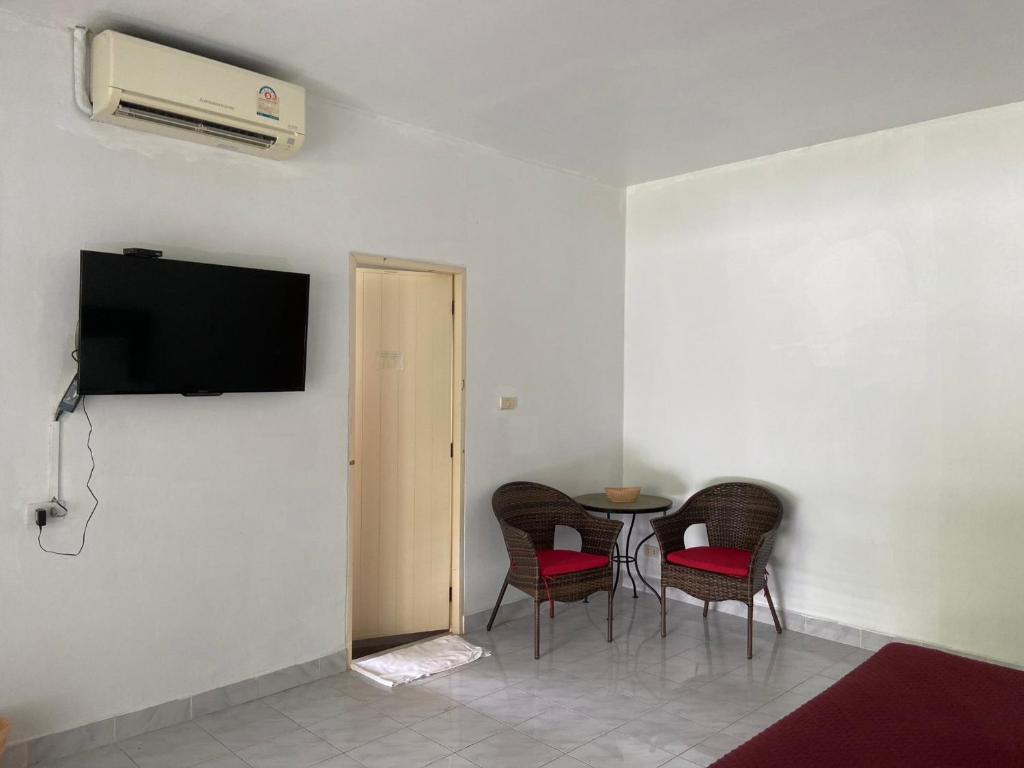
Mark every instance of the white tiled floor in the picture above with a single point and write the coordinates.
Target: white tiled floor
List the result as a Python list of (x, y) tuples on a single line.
[(641, 701)]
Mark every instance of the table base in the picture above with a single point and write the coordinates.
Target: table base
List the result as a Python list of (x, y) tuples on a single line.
[(631, 559)]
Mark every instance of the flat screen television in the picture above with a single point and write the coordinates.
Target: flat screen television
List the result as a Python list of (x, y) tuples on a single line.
[(154, 325)]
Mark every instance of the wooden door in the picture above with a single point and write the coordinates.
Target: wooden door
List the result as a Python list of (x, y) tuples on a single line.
[(402, 440)]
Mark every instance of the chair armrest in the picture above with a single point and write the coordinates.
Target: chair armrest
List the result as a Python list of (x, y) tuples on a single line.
[(598, 535), (522, 554), (762, 551), (671, 529)]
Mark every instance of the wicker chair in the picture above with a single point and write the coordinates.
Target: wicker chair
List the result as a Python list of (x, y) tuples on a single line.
[(742, 520), (528, 514)]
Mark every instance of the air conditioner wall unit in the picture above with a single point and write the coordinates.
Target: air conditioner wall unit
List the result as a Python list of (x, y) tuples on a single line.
[(142, 85)]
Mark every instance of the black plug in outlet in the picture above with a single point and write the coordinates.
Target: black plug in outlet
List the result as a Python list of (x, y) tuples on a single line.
[(41, 516)]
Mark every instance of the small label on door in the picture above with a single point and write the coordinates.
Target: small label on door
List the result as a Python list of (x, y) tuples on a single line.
[(394, 361)]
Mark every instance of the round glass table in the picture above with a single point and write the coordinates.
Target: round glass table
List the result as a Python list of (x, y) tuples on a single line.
[(644, 505)]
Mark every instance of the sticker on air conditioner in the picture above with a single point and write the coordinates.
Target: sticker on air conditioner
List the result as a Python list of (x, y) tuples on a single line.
[(267, 104)]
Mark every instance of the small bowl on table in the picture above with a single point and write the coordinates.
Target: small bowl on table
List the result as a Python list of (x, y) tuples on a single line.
[(623, 495)]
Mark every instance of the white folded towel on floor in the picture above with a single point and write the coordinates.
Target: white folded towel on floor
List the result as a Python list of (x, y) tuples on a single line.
[(411, 662)]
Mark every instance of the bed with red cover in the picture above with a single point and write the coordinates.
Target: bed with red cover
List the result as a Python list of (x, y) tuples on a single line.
[(905, 707)]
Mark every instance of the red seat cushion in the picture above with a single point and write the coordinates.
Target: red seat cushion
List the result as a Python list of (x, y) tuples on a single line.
[(724, 560), (558, 562)]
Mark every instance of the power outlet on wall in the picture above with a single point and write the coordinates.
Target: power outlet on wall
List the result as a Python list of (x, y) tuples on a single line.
[(52, 511), (650, 550)]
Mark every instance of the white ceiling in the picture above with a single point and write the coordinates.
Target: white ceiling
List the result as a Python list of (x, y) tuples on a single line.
[(623, 91)]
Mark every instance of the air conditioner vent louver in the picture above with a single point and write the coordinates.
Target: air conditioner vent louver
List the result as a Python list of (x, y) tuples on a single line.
[(206, 127)]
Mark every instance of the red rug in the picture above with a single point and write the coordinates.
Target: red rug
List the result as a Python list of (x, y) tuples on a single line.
[(906, 707)]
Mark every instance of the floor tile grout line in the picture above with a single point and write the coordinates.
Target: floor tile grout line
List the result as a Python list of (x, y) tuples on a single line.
[(574, 669), (125, 753), (404, 728), (264, 741)]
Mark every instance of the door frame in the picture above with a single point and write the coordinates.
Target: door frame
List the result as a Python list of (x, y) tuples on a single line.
[(367, 261)]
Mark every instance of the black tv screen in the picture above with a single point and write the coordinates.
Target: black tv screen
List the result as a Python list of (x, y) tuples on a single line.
[(155, 325)]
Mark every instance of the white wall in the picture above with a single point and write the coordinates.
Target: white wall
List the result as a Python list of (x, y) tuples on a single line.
[(219, 548), (845, 323)]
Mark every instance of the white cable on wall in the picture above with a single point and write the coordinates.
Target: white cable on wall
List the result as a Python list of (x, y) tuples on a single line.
[(80, 37), (53, 467)]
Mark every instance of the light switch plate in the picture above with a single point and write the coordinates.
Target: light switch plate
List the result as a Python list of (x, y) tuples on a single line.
[(508, 403)]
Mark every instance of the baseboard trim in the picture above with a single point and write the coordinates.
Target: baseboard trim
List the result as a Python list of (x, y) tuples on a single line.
[(113, 729), (794, 621), (806, 624), (791, 620), (509, 611), (33, 751)]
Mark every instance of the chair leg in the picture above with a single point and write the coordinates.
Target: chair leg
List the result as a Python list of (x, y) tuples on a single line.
[(771, 606), (536, 629), (497, 604), (610, 614), (705, 609), (664, 609), (750, 629), (551, 609)]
